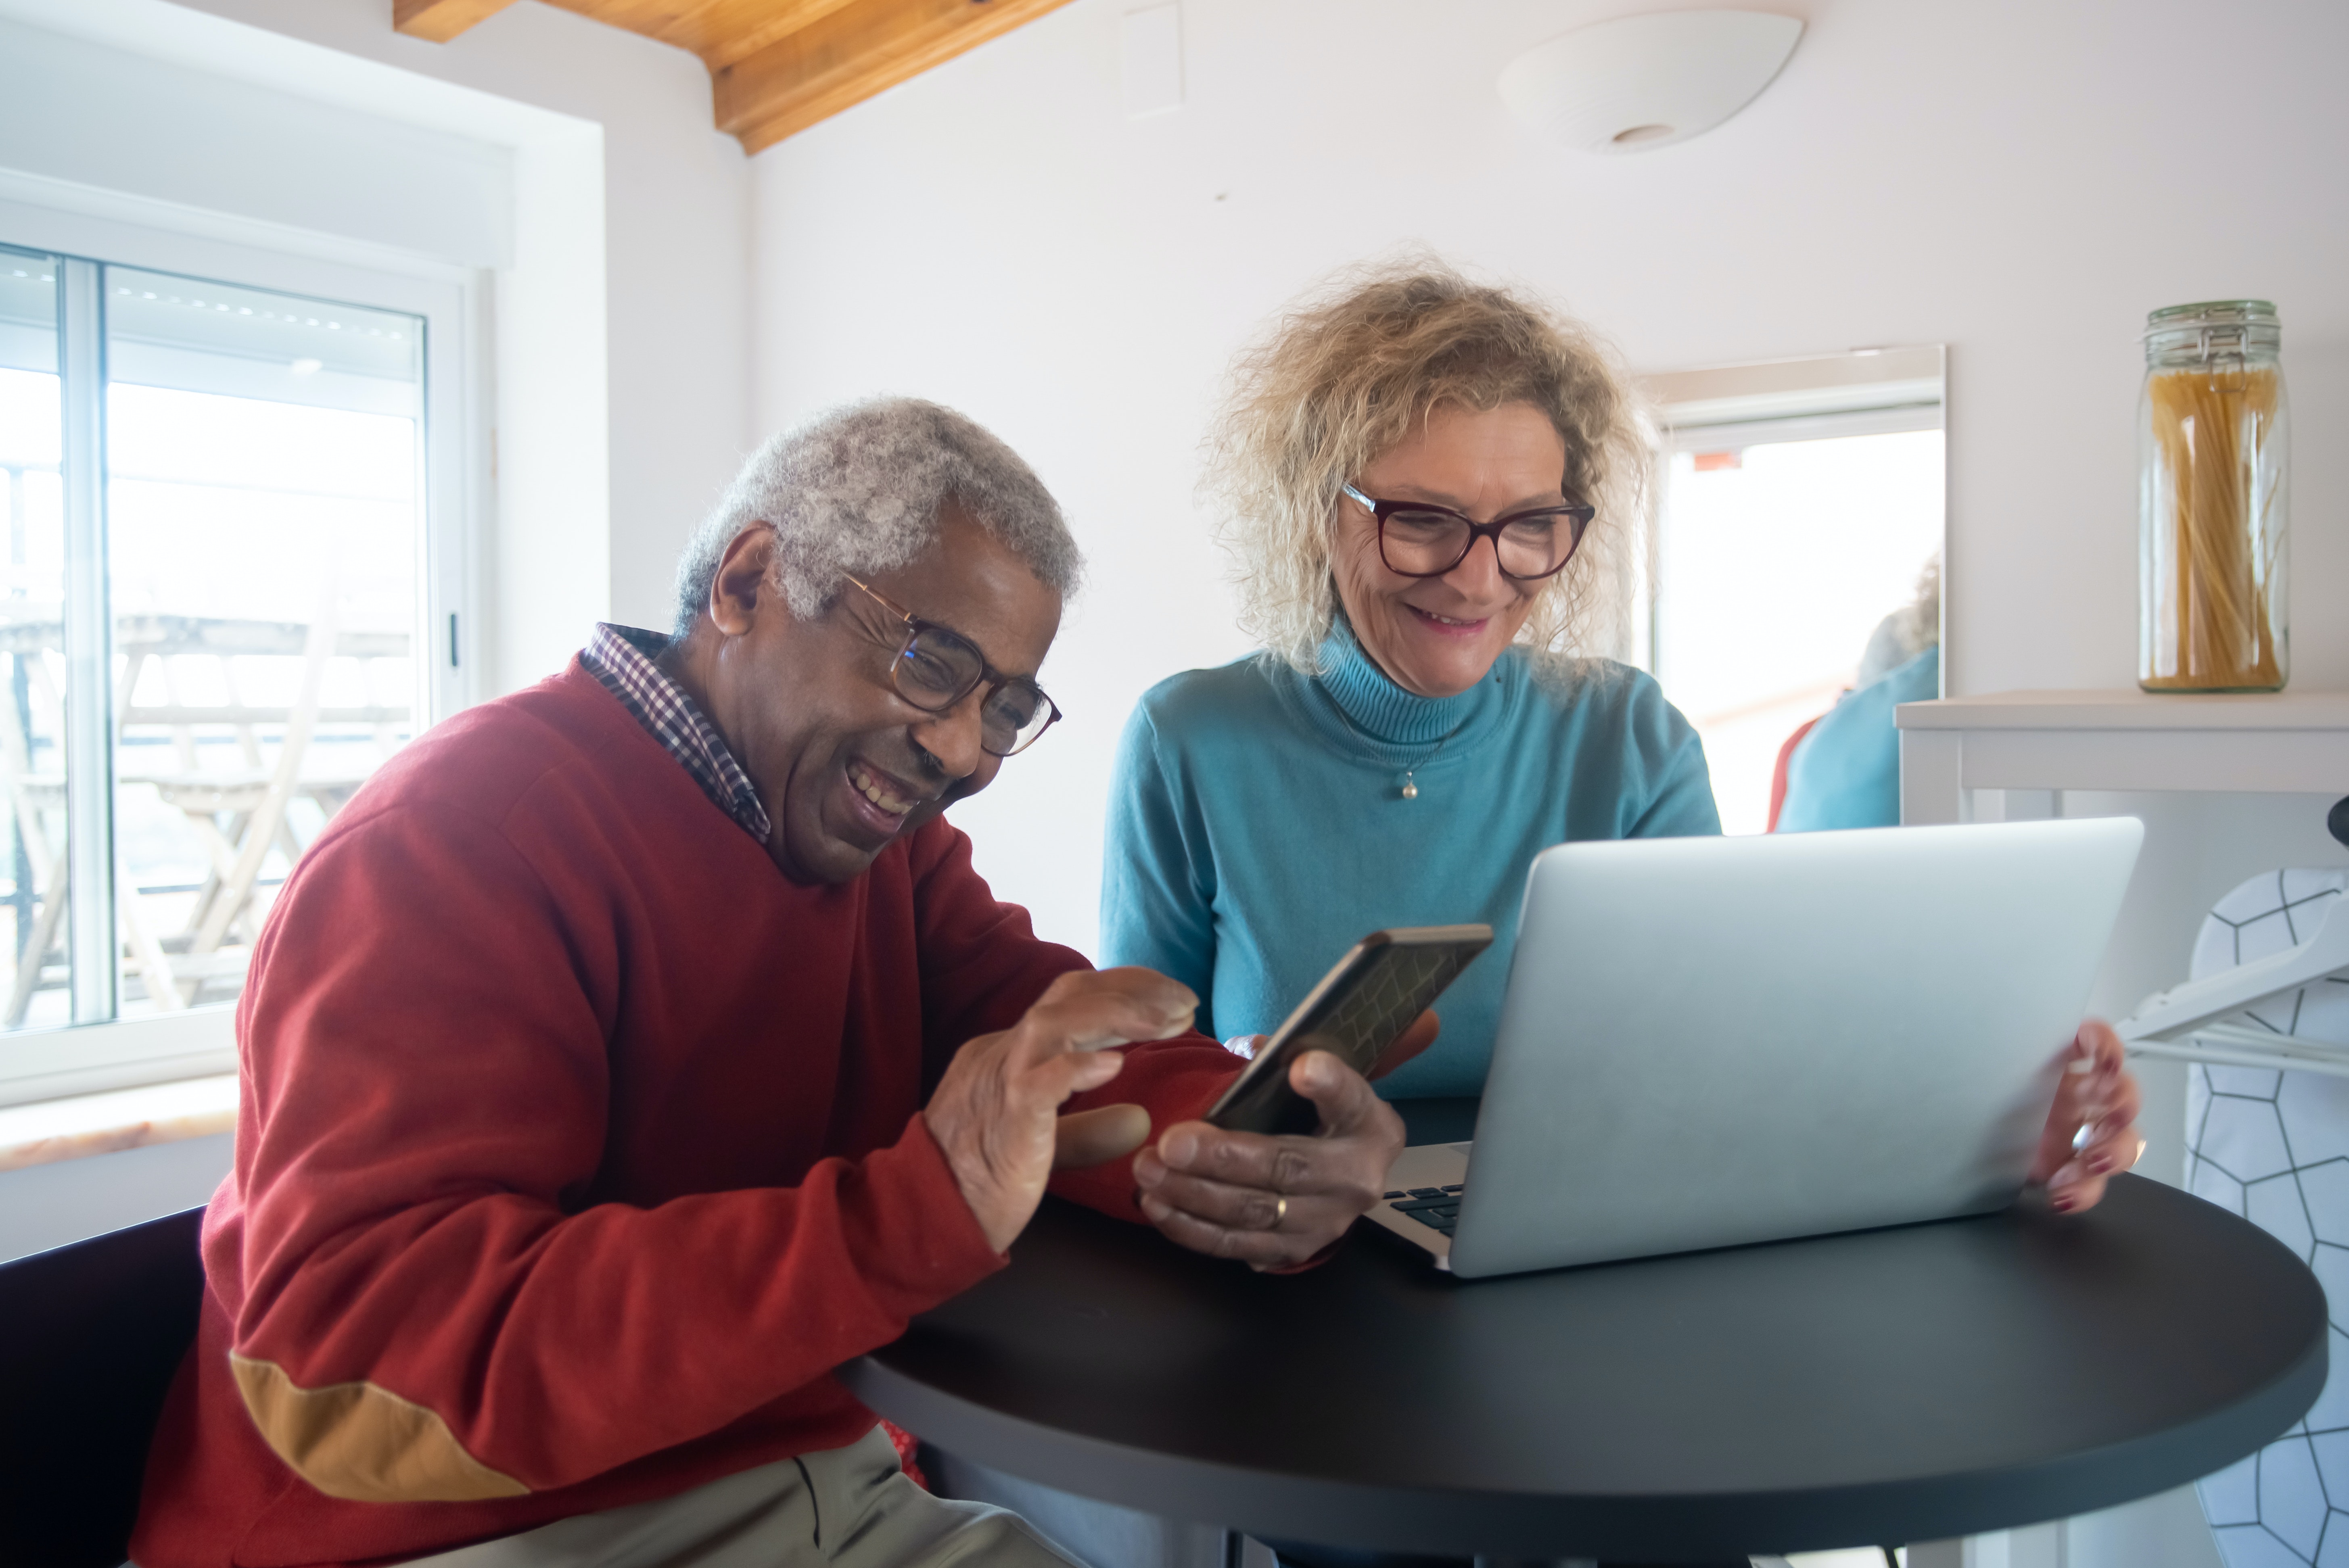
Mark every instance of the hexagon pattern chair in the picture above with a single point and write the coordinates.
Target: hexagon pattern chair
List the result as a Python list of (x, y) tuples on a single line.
[(2273, 1144)]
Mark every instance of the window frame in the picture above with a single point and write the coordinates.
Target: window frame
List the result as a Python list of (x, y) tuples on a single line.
[(1862, 392), (457, 441)]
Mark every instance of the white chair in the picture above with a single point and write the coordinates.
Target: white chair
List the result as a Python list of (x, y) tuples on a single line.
[(2265, 1022)]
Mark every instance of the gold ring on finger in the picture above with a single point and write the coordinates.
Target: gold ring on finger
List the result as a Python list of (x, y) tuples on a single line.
[(1280, 1211), (2138, 1155)]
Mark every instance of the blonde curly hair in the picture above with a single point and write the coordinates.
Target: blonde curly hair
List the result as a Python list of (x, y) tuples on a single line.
[(1345, 374)]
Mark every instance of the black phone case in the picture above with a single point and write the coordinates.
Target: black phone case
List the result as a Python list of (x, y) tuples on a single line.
[(1388, 980)]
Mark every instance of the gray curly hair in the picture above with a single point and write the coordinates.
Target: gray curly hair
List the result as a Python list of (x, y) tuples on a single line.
[(858, 489), (1347, 372)]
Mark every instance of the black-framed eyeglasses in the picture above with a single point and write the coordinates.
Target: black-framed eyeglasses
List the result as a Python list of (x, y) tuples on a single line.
[(1419, 538), (938, 667)]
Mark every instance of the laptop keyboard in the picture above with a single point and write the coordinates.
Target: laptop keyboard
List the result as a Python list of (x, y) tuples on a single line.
[(1438, 1208)]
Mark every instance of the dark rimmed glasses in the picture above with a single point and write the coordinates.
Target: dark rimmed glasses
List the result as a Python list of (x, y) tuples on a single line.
[(938, 668), (1419, 538)]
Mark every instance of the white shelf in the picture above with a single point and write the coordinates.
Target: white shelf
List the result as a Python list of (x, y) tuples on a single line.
[(2288, 743), (2130, 709)]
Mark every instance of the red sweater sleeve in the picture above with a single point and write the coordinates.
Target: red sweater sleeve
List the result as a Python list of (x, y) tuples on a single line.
[(426, 1311), (983, 966)]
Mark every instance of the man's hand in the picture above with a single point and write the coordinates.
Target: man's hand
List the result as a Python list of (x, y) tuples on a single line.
[(1275, 1201), (2095, 1107), (995, 1113)]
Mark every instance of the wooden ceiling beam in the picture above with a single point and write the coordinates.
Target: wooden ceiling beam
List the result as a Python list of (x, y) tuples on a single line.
[(776, 65), (442, 20), (850, 52), (720, 31), (780, 22)]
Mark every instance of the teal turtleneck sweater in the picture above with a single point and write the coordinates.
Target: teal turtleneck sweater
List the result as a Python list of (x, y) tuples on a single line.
[(1257, 828)]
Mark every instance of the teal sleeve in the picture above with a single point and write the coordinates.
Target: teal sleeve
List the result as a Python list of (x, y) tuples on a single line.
[(1157, 897), (1681, 804), (1846, 771)]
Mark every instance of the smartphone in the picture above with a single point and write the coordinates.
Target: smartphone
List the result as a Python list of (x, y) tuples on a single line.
[(1360, 1008)]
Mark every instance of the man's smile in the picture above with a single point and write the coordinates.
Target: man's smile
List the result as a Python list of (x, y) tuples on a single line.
[(886, 798)]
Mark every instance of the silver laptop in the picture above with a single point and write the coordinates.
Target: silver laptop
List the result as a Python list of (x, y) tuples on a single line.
[(1708, 1042)]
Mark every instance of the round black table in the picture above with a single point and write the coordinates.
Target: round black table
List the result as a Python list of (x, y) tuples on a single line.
[(1879, 1386)]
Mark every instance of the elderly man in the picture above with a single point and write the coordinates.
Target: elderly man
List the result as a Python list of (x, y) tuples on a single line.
[(636, 1048)]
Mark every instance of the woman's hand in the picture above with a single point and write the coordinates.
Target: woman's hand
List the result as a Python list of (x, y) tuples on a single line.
[(1407, 1045), (1274, 1202), (2095, 1107)]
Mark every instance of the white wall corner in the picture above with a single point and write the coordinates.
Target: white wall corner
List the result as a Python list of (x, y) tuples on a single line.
[(551, 552)]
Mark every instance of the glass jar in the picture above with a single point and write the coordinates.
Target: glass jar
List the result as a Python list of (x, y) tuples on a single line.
[(2212, 507)]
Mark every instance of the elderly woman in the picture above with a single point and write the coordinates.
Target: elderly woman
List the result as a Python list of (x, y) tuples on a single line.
[(1429, 487)]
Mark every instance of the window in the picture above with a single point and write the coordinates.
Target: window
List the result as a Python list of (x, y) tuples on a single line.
[(1802, 504), (223, 609)]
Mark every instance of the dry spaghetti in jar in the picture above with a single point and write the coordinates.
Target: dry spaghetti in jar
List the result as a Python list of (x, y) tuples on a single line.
[(2212, 504)]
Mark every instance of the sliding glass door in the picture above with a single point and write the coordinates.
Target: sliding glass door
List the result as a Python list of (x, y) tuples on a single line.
[(214, 616)]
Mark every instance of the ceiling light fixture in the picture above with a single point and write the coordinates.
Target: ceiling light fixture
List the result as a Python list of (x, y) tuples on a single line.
[(1637, 83)]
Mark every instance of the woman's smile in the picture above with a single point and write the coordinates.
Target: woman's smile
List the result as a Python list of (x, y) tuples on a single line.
[(1448, 622)]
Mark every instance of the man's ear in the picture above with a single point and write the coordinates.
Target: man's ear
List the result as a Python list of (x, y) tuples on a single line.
[(743, 584)]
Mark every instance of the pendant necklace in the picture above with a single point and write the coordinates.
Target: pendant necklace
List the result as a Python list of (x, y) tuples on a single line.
[(1410, 781), (1410, 775)]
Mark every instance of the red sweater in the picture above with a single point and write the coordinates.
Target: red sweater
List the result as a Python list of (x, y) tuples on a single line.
[(577, 1146)]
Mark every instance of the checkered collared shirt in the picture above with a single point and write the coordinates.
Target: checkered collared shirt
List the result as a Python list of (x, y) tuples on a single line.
[(621, 658)]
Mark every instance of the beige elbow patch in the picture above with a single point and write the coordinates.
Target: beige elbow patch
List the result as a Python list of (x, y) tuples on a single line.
[(362, 1443)]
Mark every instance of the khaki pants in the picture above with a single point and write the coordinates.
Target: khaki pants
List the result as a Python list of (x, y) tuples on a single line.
[(840, 1508)]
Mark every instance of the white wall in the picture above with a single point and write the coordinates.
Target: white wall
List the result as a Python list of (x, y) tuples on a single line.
[(76, 110), (2018, 179)]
